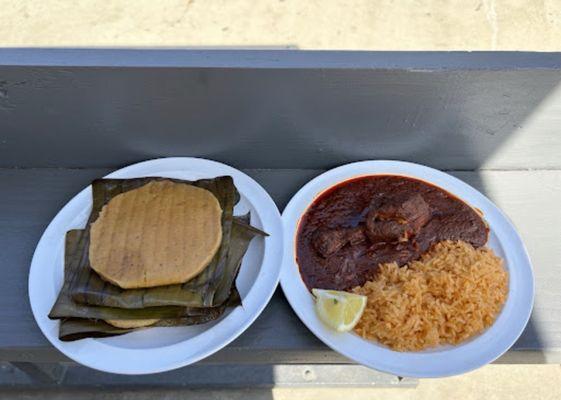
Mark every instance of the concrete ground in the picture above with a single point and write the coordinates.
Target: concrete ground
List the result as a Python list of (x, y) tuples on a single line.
[(531, 25)]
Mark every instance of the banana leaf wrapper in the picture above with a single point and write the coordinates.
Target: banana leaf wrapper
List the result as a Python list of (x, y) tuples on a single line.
[(65, 307), (77, 328), (71, 329), (80, 321), (209, 289)]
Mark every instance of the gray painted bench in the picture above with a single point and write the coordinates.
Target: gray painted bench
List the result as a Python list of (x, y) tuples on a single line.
[(68, 116)]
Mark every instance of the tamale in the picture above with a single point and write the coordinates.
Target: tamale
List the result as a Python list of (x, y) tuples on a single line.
[(212, 292), (163, 233), (79, 320), (65, 307), (201, 291)]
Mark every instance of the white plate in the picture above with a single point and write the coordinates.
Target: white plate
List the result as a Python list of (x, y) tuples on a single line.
[(162, 349), (438, 362)]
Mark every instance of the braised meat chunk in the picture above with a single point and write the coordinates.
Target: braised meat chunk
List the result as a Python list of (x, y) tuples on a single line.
[(397, 221), (329, 241), (356, 236), (386, 231)]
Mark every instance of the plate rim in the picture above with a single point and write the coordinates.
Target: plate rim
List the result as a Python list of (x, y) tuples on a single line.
[(271, 220), (291, 285)]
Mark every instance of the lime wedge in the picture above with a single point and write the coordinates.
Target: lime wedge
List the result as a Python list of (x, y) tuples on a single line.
[(339, 310)]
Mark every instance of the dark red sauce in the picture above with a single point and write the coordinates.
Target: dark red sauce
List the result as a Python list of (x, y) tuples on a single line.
[(358, 224)]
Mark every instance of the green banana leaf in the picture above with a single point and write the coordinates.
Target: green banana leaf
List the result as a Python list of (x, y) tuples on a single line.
[(80, 321), (199, 301), (209, 289), (65, 307), (76, 328)]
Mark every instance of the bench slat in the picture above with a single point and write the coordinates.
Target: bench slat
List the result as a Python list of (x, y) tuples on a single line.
[(500, 116)]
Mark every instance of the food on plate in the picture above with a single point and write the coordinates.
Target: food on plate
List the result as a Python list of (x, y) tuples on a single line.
[(416, 252), (339, 310), (131, 323), (162, 233), (210, 287), (361, 223), (188, 216), (452, 293)]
